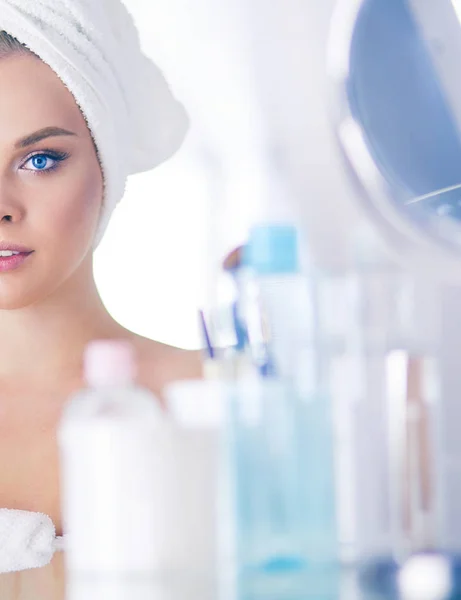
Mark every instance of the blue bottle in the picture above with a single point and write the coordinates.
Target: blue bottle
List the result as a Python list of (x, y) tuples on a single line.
[(280, 440)]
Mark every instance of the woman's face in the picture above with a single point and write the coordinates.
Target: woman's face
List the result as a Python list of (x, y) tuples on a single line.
[(50, 189)]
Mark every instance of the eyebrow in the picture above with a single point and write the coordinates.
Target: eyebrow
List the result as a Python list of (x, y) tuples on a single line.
[(40, 135)]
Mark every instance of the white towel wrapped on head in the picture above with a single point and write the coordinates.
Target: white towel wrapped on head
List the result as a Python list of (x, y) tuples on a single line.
[(27, 540), (94, 47)]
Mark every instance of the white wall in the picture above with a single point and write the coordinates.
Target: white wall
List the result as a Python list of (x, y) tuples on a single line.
[(150, 267)]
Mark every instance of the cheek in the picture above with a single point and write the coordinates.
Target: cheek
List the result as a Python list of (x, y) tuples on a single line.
[(76, 210)]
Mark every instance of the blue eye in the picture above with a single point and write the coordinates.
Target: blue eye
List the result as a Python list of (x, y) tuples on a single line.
[(40, 161), (45, 161)]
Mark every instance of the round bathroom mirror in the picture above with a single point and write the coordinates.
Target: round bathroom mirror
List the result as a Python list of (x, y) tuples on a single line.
[(396, 66)]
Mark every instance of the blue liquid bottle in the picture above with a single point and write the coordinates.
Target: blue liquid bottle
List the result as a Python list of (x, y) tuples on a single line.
[(280, 440)]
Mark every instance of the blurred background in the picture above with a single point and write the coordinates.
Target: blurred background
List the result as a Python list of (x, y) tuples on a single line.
[(151, 266)]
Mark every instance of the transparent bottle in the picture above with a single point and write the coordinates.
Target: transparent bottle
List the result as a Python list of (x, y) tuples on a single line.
[(279, 432), (393, 416)]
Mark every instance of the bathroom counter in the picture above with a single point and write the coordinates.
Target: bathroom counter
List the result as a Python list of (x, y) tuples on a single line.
[(49, 583)]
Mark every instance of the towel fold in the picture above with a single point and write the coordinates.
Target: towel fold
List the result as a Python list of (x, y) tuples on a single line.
[(94, 47), (27, 540)]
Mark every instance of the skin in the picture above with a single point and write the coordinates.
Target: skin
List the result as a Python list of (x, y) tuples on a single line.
[(49, 306)]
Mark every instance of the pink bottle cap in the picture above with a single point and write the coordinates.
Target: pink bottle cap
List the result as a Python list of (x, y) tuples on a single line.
[(109, 363)]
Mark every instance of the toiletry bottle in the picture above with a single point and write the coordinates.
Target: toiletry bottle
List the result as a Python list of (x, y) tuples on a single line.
[(285, 298), (291, 300), (107, 441), (280, 438), (392, 342)]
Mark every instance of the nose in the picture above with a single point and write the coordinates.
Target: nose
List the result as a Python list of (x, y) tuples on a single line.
[(9, 215), (10, 209)]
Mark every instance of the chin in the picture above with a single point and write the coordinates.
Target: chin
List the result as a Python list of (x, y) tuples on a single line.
[(14, 296), (44, 282), (14, 302)]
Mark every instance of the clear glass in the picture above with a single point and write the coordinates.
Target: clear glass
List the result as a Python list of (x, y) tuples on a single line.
[(394, 428)]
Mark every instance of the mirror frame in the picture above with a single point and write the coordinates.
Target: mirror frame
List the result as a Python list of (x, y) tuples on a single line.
[(420, 250)]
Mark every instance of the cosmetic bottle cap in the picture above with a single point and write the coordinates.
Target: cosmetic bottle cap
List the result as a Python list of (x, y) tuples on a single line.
[(109, 363), (273, 249)]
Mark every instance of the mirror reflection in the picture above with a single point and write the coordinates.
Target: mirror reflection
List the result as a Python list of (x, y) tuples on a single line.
[(396, 96)]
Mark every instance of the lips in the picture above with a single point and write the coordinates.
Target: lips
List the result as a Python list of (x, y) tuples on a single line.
[(15, 248), (10, 263)]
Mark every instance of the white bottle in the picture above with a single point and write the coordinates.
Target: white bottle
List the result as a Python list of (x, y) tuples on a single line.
[(107, 441)]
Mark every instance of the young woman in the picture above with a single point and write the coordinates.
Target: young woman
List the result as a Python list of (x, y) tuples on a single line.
[(53, 198)]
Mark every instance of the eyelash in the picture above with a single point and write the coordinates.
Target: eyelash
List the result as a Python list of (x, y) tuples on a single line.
[(55, 155)]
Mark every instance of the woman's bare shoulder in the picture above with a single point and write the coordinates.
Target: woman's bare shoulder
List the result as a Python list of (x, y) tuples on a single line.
[(160, 364)]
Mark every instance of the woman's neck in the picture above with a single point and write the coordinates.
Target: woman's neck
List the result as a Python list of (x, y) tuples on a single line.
[(48, 338)]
